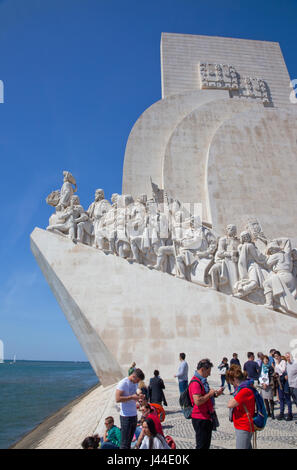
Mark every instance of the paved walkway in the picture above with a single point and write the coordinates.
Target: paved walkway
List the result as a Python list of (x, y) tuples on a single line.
[(67, 428), (277, 434)]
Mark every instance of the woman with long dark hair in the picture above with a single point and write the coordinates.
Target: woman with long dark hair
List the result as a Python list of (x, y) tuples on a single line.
[(152, 440)]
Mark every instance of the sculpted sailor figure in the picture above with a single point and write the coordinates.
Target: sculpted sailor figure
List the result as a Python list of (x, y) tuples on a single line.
[(156, 232), (197, 243), (167, 252), (251, 267), (60, 198), (67, 190), (280, 285), (123, 214), (70, 218), (107, 228), (169, 229), (294, 260), (190, 243), (225, 270), (137, 224), (87, 229)]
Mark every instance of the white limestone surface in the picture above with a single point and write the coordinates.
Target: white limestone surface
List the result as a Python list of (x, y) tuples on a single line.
[(122, 313), (186, 155), (146, 145), (181, 54), (251, 170)]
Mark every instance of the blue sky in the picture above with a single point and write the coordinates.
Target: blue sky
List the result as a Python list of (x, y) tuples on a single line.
[(77, 74)]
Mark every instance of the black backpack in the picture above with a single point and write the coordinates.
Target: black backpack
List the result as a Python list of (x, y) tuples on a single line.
[(185, 401)]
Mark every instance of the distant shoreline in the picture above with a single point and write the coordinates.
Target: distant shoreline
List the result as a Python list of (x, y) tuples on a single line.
[(32, 438), (41, 360)]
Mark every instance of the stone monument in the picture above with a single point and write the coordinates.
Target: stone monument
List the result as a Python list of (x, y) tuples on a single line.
[(198, 254)]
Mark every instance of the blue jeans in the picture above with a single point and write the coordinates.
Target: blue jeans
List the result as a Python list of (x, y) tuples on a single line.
[(223, 379), (138, 431), (108, 445), (182, 386), (137, 434), (284, 397), (293, 394), (128, 426)]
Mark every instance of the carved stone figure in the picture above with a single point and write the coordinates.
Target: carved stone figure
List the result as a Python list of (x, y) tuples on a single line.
[(157, 231), (225, 270), (69, 219), (251, 267), (190, 244), (169, 250), (294, 260), (107, 228), (67, 190), (197, 247), (280, 285), (138, 229), (123, 213), (61, 198), (95, 211), (86, 230)]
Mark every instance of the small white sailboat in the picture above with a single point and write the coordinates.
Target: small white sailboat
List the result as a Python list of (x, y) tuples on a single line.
[(14, 359)]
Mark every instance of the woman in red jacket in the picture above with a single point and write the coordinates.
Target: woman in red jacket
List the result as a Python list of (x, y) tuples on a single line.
[(243, 406)]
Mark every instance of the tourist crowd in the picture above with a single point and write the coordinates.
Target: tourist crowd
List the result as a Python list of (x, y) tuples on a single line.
[(259, 383)]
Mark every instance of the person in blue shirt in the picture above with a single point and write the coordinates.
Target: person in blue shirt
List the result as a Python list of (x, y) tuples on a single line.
[(182, 373), (271, 358), (252, 367), (235, 360)]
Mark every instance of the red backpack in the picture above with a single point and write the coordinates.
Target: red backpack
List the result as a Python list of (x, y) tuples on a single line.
[(160, 411), (170, 442)]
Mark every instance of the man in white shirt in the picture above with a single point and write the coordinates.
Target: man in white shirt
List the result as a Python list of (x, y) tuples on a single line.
[(182, 373), (126, 396)]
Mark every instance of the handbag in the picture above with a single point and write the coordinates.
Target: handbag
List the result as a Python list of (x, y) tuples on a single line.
[(254, 433), (164, 399), (215, 420)]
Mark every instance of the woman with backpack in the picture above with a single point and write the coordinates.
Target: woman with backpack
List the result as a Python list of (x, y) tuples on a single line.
[(152, 440), (242, 405)]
